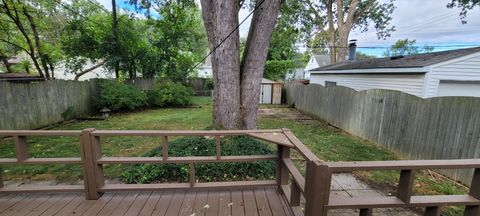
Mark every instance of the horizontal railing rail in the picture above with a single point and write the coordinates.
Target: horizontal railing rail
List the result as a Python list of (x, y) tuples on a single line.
[(404, 197), (313, 184)]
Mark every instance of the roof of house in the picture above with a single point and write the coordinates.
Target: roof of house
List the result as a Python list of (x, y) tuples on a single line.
[(267, 81), (409, 61)]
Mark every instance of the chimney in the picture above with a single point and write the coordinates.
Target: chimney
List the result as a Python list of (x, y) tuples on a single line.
[(352, 50)]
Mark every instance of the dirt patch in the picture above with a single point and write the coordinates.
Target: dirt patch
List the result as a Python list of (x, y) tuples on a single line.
[(283, 113)]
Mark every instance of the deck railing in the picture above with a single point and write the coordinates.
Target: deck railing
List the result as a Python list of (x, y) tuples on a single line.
[(314, 187)]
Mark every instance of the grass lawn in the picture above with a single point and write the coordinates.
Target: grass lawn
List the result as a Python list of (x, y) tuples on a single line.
[(327, 143)]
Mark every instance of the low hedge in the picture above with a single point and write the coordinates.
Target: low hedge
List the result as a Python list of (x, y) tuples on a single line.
[(208, 172)]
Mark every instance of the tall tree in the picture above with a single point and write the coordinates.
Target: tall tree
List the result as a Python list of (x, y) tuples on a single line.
[(115, 36), (465, 6), (335, 19), (237, 80), (407, 47), (30, 33)]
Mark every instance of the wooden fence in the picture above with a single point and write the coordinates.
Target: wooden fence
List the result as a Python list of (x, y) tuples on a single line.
[(38, 104), (434, 128)]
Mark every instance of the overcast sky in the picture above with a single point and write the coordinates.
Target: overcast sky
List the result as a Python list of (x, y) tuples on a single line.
[(427, 21)]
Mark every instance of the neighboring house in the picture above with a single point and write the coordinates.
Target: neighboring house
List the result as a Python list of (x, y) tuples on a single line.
[(205, 71), (446, 73), (294, 74), (100, 73), (315, 61)]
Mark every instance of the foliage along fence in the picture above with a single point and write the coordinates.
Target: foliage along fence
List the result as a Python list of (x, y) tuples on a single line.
[(434, 128), (38, 104), (198, 85)]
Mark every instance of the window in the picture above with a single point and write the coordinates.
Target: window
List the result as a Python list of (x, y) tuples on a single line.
[(330, 84)]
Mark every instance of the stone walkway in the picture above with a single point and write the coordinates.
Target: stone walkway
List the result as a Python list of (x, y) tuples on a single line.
[(344, 185)]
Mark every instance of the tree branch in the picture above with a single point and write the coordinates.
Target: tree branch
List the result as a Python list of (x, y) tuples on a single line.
[(81, 73)]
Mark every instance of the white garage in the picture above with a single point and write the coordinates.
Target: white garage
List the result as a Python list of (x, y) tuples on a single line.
[(436, 74), (456, 88)]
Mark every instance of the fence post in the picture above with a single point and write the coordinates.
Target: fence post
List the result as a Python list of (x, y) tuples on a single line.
[(474, 192), (88, 165), (317, 188)]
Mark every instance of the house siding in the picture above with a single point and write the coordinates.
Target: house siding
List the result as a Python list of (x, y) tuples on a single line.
[(409, 83), (462, 70)]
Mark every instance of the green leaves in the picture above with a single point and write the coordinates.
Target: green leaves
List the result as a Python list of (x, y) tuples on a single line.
[(200, 146), (170, 94)]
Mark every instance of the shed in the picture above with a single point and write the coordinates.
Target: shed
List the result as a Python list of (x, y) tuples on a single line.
[(271, 92), (446, 73)]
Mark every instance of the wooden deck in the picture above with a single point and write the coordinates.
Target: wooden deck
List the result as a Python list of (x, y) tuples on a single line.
[(263, 201)]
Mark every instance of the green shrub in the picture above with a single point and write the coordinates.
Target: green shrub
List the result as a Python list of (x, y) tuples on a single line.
[(200, 146), (170, 94), (208, 84), (118, 96), (69, 113)]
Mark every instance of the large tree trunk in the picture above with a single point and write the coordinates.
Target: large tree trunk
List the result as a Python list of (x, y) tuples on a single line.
[(221, 18), (254, 58), (237, 85)]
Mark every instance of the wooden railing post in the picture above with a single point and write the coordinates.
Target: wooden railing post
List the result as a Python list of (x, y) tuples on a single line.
[(317, 188), (89, 178), (97, 154), (191, 174), (474, 192), (218, 147), (295, 194), (366, 212), (405, 185), (432, 211), (282, 171), (1, 178), (21, 148), (165, 147)]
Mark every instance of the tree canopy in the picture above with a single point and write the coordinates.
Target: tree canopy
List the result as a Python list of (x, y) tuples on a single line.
[(78, 32), (407, 47)]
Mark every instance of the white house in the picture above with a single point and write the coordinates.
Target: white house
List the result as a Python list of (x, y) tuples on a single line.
[(101, 73), (446, 73), (205, 71), (315, 61)]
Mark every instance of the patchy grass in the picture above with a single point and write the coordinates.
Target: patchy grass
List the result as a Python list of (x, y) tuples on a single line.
[(326, 142)]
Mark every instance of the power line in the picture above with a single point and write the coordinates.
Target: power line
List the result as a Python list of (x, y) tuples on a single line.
[(388, 47), (233, 31)]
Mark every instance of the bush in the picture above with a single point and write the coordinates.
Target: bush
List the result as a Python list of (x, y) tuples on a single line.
[(200, 146), (118, 96), (170, 94), (69, 113), (208, 84)]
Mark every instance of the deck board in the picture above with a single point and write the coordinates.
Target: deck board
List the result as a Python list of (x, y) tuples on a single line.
[(200, 202), (151, 203), (187, 204), (224, 207), (170, 202)]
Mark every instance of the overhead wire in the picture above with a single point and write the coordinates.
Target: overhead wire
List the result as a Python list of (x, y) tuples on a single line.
[(230, 34)]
